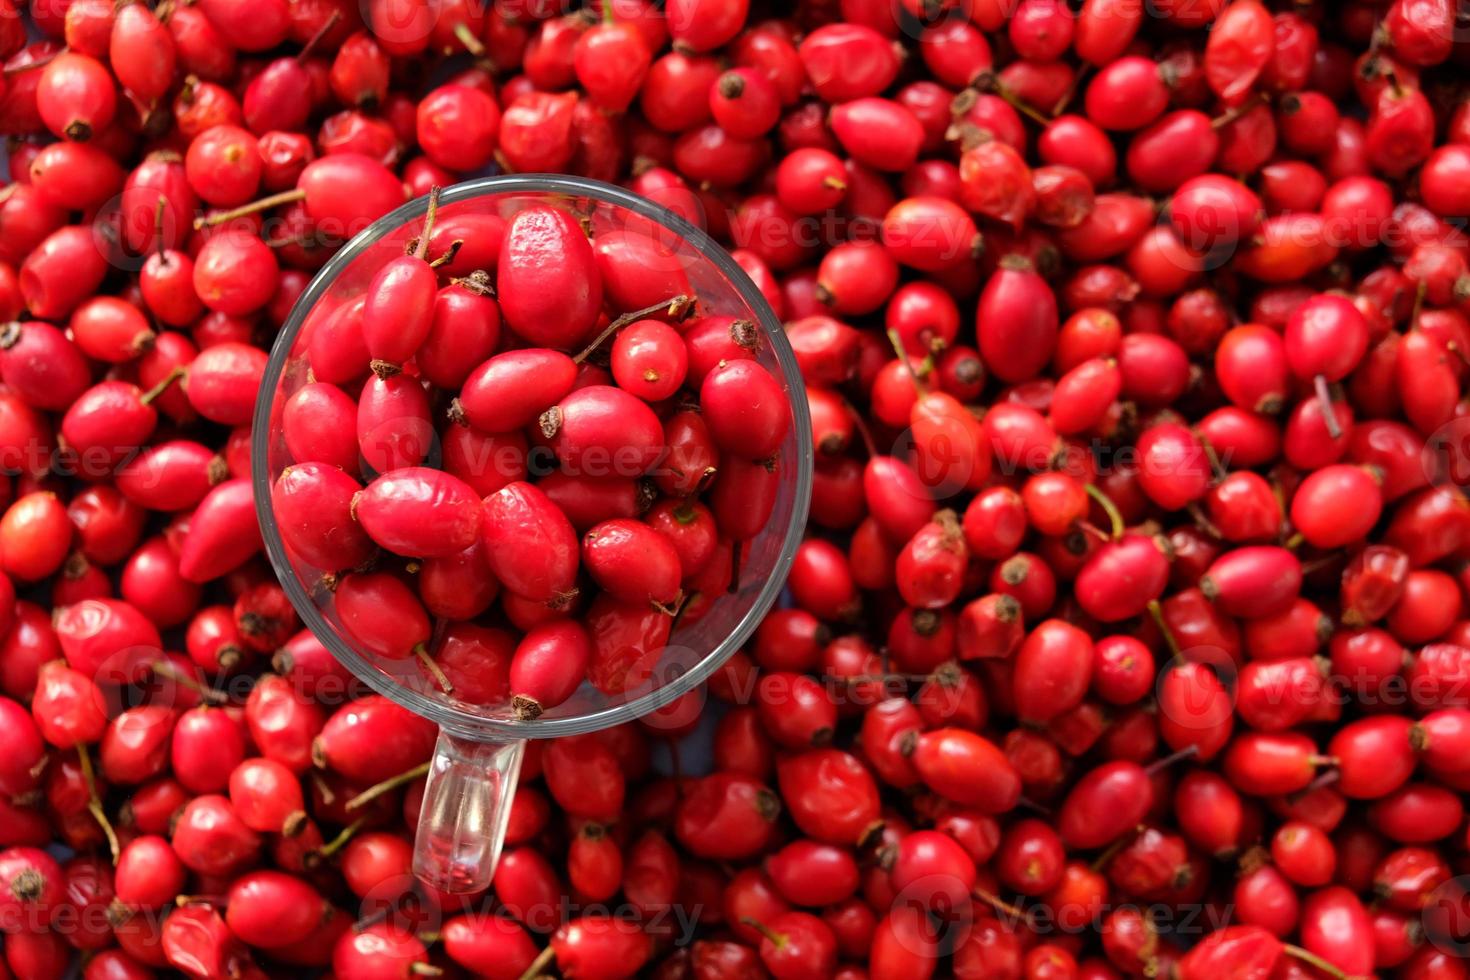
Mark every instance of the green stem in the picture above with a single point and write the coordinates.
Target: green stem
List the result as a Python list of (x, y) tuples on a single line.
[(1115, 518), (777, 939), (151, 395), (94, 802), (340, 841), (1312, 959), (467, 38), (265, 203), (1157, 612), (897, 343), (540, 963), (387, 786)]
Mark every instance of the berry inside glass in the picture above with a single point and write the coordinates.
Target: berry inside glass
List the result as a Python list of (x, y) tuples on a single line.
[(527, 458)]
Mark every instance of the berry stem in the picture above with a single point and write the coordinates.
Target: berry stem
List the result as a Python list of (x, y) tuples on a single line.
[(12, 71), (263, 204), (1071, 91), (1230, 115), (387, 786), (310, 240), (1326, 778), (1016, 913), (94, 803), (423, 244), (1115, 517), (316, 38), (435, 671), (540, 963), (167, 670), (1308, 957), (897, 343), (1157, 612), (864, 433), (467, 38), (1324, 400), (158, 227), (1203, 521), (340, 841), (1090, 528), (675, 306), (989, 81), (1420, 293), (1027, 803), (1106, 854), (449, 254), (151, 395), (777, 939), (1189, 751), (683, 608), (1217, 468)]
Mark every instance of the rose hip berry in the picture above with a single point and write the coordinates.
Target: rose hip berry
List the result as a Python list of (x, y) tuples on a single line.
[(1134, 362)]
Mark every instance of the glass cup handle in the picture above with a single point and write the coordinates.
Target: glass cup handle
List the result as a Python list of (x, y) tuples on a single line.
[(466, 806)]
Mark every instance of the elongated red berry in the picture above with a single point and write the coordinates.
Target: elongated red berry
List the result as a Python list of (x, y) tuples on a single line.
[(419, 512), (529, 544)]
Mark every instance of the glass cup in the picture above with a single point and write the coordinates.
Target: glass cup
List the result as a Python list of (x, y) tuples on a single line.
[(473, 775)]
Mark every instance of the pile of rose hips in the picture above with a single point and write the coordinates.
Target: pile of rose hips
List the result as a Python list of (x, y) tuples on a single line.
[(1129, 637), (494, 524)]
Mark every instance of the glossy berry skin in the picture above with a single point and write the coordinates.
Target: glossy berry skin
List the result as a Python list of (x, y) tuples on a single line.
[(1255, 581), (268, 908), (1121, 578), (946, 758), (548, 288), (1017, 322), (399, 309), (1312, 508), (548, 665), (1326, 335), (520, 522), (313, 502), (611, 60), (798, 944), (419, 512), (379, 951), (650, 360), (393, 428), (1132, 346), (75, 96), (930, 569), (632, 561), (510, 390), (456, 125), (601, 430), (745, 409)]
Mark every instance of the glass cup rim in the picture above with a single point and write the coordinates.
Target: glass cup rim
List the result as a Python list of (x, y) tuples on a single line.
[(453, 719)]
